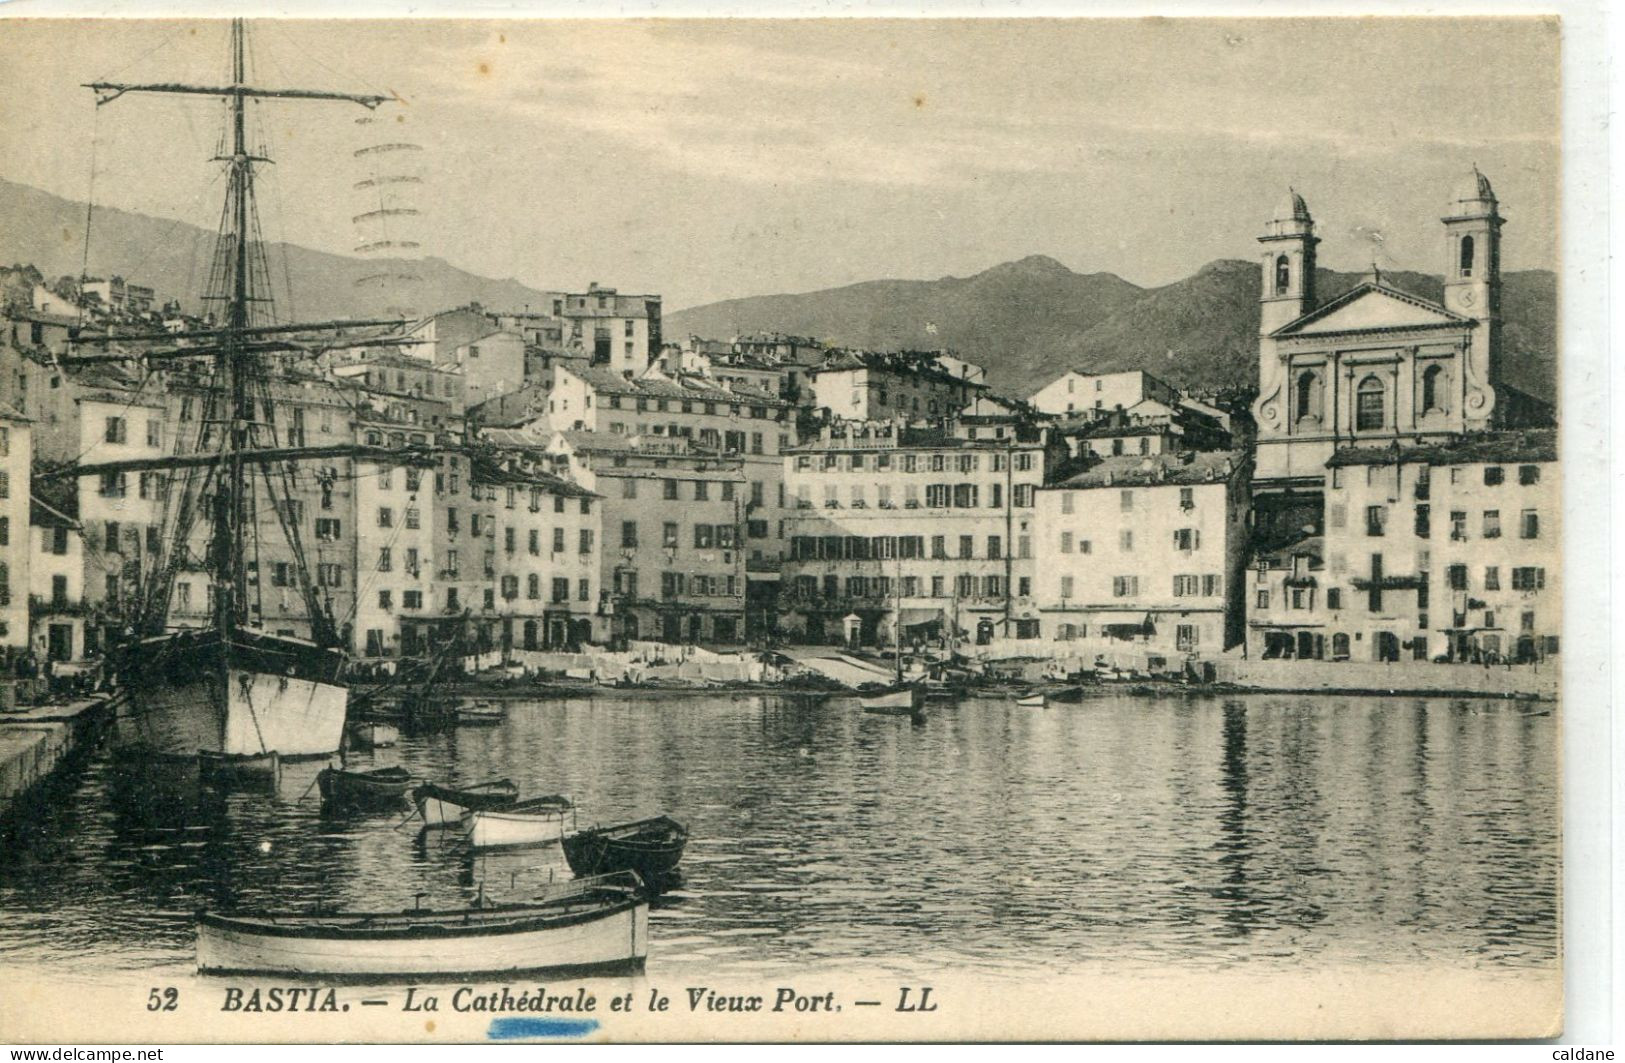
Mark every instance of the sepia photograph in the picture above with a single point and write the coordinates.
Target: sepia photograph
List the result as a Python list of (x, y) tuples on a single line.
[(816, 529)]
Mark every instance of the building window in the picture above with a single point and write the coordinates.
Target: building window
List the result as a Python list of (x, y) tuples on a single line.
[(1307, 397), (1432, 389), (629, 535), (1492, 578), (1283, 275), (1494, 475), (1528, 475), (117, 430), (1369, 414), (1187, 539), (1529, 525), (1528, 579), (1492, 524), (1456, 575), (1458, 525), (1465, 258), (1334, 598), (1125, 540), (1376, 520)]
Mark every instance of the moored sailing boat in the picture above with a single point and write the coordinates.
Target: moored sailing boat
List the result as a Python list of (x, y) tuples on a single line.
[(231, 687)]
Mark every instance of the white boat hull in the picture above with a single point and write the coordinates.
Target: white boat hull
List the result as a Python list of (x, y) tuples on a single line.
[(437, 813), (488, 829), (616, 940), (899, 702), (256, 713)]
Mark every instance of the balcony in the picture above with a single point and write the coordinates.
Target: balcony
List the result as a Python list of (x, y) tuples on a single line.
[(1389, 583)]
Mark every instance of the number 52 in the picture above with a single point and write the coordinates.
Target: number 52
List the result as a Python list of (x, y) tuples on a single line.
[(165, 999)]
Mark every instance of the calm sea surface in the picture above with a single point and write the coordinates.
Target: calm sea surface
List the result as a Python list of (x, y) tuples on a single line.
[(1122, 832)]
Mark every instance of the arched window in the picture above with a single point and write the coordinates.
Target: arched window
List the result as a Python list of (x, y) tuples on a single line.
[(1283, 275), (1306, 395), (1433, 389), (1368, 406), (1466, 256)]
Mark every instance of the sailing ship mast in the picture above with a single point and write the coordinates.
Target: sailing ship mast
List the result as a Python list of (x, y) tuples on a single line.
[(239, 378)]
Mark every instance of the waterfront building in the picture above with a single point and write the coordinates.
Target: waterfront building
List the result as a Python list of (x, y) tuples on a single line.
[(870, 386), (917, 527), (1433, 551), (1144, 553), (394, 575), (673, 514), (723, 420), (1077, 393), (56, 577), (547, 545), (16, 459), (121, 512)]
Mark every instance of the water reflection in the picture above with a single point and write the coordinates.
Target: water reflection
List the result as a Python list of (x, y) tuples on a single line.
[(1189, 831)]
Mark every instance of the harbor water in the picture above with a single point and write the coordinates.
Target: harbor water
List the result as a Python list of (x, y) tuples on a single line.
[(1121, 833)]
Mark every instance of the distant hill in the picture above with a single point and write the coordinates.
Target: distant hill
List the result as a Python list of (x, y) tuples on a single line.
[(173, 258), (1029, 321)]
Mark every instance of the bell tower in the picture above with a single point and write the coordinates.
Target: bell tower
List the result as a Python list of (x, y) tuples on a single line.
[(1472, 287), (1288, 259)]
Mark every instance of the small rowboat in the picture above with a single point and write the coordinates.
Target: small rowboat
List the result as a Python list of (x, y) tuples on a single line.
[(226, 768), (588, 926), (538, 821), (443, 806), (379, 788), (650, 847), (1031, 701), (904, 701)]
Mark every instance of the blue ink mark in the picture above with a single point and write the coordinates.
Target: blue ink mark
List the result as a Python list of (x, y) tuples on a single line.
[(515, 1029)]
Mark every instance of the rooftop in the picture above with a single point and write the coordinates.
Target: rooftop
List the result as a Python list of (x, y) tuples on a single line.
[(1527, 446), (1183, 467), (682, 386)]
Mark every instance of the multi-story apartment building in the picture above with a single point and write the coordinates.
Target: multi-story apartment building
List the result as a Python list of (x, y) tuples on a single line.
[(1145, 552), (674, 515), (122, 513), (1076, 393), (866, 386), (1438, 551), (726, 421), (393, 373), (922, 528), (16, 460), (490, 365), (394, 544), (547, 550), (56, 575), (1148, 427)]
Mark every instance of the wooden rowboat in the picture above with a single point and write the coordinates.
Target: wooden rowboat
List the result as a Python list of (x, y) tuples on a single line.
[(651, 847), (904, 701), (443, 806), (538, 821), (588, 926), (1031, 701), (379, 788), (481, 714)]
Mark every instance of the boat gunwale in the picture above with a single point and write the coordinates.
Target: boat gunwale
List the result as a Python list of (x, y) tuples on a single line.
[(603, 903)]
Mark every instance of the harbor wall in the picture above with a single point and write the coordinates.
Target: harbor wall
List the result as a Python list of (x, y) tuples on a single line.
[(1407, 677), (37, 742)]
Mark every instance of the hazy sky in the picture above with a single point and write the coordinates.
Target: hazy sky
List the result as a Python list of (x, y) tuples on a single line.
[(706, 160)]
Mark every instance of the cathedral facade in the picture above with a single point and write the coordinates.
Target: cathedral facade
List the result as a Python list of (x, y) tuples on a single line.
[(1376, 366)]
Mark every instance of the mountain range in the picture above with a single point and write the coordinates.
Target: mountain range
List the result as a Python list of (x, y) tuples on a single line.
[(173, 258), (1031, 320), (1027, 321)]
